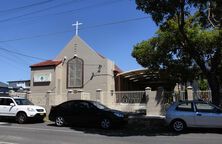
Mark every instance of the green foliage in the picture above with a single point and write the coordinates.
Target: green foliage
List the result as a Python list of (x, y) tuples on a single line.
[(164, 53), (188, 42), (203, 84)]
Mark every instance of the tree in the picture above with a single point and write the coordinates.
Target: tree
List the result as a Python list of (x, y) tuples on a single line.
[(192, 31), (162, 53), (203, 85)]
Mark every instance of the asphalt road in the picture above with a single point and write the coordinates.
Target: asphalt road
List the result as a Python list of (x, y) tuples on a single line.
[(47, 133)]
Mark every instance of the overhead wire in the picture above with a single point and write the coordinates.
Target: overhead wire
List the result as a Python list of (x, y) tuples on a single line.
[(25, 6), (66, 31), (78, 9), (55, 33), (10, 61), (34, 57), (35, 12), (114, 23), (26, 60)]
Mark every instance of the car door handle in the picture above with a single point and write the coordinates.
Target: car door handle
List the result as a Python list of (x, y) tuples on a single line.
[(199, 114)]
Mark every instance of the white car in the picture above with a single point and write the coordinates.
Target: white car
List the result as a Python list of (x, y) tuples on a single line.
[(193, 114), (21, 109)]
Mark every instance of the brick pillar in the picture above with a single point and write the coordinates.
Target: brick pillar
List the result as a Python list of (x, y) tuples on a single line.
[(28, 95), (155, 102), (189, 93), (99, 95), (147, 92), (81, 94)]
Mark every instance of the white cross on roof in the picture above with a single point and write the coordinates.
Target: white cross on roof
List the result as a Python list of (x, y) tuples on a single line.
[(77, 26)]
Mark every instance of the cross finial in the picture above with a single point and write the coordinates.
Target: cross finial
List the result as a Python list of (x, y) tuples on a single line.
[(77, 26)]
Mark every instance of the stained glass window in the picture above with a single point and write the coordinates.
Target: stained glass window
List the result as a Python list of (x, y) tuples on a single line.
[(75, 73)]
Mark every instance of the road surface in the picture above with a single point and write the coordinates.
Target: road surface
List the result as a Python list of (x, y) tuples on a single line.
[(47, 133)]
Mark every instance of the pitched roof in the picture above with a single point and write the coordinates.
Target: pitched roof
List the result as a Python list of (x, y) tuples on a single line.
[(117, 69), (3, 84), (47, 63)]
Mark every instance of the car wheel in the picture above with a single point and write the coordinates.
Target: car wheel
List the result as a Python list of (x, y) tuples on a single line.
[(178, 125), (21, 118), (59, 121), (105, 123)]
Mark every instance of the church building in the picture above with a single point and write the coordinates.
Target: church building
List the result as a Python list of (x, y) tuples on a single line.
[(79, 72), (77, 68)]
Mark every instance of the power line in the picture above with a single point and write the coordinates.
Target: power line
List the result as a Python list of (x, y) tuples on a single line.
[(1, 48), (26, 6), (14, 58), (78, 9), (10, 62), (37, 36), (34, 12), (66, 31), (114, 23)]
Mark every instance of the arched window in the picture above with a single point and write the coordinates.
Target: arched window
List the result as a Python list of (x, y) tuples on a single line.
[(75, 73)]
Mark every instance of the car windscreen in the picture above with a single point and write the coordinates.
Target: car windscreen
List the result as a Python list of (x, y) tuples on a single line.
[(23, 102), (99, 105)]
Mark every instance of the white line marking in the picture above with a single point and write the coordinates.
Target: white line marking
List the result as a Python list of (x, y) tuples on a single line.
[(40, 129), (7, 143), (2, 123)]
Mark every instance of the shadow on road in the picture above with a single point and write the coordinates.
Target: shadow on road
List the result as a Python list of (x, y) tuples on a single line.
[(140, 128), (10, 121)]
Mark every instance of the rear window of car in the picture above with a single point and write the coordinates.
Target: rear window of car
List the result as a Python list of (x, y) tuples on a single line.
[(5, 101), (186, 106), (204, 107)]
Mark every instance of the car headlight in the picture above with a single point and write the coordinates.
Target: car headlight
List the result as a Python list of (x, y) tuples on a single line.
[(30, 109), (118, 114)]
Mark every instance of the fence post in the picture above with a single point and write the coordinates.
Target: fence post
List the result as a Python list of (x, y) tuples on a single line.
[(189, 93), (28, 95), (47, 97), (147, 92), (69, 94), (99, 95), (81, 94)]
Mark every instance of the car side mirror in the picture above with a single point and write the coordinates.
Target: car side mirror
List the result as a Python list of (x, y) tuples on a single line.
[(12, 104)]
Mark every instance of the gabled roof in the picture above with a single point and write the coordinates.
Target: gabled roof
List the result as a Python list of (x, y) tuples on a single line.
[(3, 85), (47, 63), (117, 69)]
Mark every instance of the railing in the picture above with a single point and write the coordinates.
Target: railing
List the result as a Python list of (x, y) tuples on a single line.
[(131, 97), (204, 95), (169, 97), (179, 95)]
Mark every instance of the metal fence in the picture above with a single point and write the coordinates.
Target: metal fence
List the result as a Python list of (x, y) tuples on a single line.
[(131, 97), (204, 95), (182, 95)]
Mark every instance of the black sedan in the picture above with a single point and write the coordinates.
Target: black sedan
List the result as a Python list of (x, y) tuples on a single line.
[(83, 112)]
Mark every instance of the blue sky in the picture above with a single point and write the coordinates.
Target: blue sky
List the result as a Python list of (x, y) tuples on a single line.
[(41, 28)]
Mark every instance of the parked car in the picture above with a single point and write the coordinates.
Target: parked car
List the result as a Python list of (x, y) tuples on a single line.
[(83, 112), (193, 114), (21, 109)]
